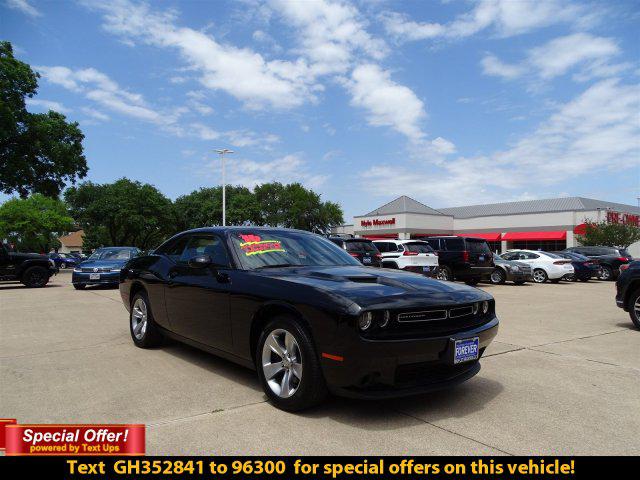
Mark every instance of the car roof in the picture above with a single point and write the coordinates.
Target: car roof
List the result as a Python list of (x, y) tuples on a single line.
[(399, 241), (220, 229)]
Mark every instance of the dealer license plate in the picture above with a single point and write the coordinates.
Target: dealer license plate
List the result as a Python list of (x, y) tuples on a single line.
[(366, 260), (94, 276), (426, 269), (466, 350)]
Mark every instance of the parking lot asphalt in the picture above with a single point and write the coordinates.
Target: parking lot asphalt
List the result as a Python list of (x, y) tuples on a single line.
[(562, 378)]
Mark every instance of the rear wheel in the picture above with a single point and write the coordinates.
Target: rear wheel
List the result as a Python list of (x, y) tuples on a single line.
[(540, 276), (288, 365), (144, 331), (35, 277), (498, 277), (634, 307), (445, 273), (606, 273)]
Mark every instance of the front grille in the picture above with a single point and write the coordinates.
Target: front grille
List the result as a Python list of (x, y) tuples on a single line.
[(95, 270), (424, 316), (461, 311)]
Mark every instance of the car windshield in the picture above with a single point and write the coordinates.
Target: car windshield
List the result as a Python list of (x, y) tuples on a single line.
[(552, 255), (418, 247), (271, 249), (112, 254), (360, 246), (478, 246)]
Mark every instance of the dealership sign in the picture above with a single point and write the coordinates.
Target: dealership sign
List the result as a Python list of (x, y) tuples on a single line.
[(623, 218), (376, 222)]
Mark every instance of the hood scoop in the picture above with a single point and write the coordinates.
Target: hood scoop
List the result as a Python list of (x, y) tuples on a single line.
[(363, 279)]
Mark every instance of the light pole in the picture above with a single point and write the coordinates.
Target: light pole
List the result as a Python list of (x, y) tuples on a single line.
[(222, 152)]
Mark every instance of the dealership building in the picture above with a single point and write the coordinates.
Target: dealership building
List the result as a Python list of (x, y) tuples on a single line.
[(549, 224)]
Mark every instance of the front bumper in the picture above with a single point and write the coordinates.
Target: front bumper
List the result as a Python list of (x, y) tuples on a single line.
[(519, 276), (396, 368), (106, 278)]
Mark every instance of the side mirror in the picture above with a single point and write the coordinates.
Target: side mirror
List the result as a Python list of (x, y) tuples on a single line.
[(200, 261)]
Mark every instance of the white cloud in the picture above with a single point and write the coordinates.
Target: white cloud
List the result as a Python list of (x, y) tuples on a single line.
[(46, 105), (558, 56), (23, 6), (95, 114), (235, 138), (597, 131), (287, 169), (240, 72), (388, 103), (331, 34), (443, 146), (98, 87), (505, 17)]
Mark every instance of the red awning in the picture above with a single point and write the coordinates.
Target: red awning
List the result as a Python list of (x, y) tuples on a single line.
[(489, 237), (552, 235)]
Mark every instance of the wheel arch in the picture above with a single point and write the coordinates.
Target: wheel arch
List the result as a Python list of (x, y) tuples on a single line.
[(633, 287), (264, 314), (135, 288)]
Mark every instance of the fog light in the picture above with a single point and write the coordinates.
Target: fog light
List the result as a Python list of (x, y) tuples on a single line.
[(485, 307), (365, 321), (384, 319)]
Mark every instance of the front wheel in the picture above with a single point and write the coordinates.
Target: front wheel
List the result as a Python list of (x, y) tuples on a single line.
[(539, 276), (288, 365), (35, 277), (498, 277), (144, 331), (634, 308)]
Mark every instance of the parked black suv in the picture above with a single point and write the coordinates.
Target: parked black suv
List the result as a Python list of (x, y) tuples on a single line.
[(362, 249), (462, 258), (31, 269), (610, 259), (628, 291)]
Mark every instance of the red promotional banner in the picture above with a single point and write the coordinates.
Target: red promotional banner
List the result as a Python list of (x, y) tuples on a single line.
[(75, 439), (3, 423)]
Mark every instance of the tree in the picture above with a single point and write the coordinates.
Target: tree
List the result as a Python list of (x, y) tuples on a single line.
[(34, 223), (203, 207), (609, 234), (39, 153), (293, 206), (123, 213)]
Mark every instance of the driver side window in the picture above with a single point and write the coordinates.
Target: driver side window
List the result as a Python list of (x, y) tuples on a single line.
[(210, 245)]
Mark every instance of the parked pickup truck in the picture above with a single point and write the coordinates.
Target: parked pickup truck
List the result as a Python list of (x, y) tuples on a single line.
[(31, 269)]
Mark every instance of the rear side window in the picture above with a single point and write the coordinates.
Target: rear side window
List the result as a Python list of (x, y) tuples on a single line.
[(476, 246), (173, 250), (418, 247), (360, 247), (381, 246), (453, 244), (435, 243)]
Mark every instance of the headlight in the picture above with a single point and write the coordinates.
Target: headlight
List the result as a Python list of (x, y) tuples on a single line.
[(365, 320), (485, 307), (476, 307), (515, 268), (384, 319), (77, 270)]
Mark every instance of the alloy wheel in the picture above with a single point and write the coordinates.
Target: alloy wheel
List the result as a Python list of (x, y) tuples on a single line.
[(496, 276), (139, 319), (282, 363), (443, 274), (539, 276), (605, 274), (636, 308)]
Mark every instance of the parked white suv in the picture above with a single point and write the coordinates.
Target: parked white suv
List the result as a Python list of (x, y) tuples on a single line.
[(410, 255), (545, 265)]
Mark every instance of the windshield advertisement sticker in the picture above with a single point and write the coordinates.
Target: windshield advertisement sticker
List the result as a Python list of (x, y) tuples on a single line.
[(254, 245)]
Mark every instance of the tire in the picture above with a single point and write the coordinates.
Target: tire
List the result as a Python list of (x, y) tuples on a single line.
[(79, 286), (148, 335), (540, 276), (498, 277), (35, 277), (606, 273), (634, 307), (445, 273), (63, 266), (284, 388)]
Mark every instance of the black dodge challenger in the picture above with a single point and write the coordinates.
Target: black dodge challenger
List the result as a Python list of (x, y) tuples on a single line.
[(306, 315)]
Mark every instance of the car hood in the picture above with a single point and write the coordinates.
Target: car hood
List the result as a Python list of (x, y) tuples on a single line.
[(379, 288), (28, 256), (102, 263)]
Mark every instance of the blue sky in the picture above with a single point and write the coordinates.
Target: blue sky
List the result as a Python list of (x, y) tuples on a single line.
[(449, 102)]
